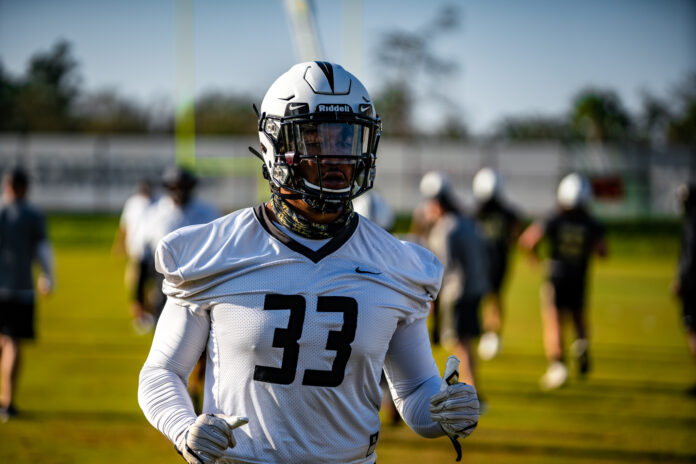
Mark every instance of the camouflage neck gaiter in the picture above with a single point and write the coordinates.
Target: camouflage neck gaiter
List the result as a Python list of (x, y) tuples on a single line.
[(300, 225)]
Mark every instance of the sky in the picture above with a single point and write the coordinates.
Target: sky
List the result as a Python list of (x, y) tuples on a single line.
[(515, 57)]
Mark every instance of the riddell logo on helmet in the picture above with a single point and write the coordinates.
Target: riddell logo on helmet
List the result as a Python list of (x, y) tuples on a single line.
[(334, 108)]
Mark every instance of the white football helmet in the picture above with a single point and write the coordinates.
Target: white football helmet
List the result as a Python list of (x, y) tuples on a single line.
[(374, 207), (317, 114), (573, 191), (435, 184), (487, 184)]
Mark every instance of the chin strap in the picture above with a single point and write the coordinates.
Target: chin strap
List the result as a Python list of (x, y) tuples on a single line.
[(300, 225)]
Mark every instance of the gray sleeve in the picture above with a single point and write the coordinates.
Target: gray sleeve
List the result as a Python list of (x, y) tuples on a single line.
[(413, 377), (44, 255), (179, 340)]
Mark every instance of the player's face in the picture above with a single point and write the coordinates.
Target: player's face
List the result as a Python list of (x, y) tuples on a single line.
[(432, 211), (332, 148)]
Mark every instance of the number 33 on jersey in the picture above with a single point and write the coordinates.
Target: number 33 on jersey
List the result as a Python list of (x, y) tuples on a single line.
[(298, 337)]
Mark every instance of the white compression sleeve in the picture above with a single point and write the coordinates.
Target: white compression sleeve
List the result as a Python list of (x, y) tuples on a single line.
[(413, 377), (179, 340)]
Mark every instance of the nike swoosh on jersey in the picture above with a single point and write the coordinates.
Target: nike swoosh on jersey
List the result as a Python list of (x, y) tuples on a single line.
[(364, 271)]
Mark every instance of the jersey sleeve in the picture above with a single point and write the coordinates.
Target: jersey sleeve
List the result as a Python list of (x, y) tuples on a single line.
[(194, 259), (515, 219), (598, 231), (179, 340), (413, 376), (176, 286)]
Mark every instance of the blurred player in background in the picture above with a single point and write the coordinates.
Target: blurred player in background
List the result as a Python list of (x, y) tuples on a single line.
[(418, 231), (300, 303), (501, 227), (23, 241), (684, 286), (574, 236), (177, 208), (373, 206), (457, 242), (129, 241)]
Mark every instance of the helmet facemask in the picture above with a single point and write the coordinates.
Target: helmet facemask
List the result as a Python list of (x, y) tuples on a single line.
[(326, 159)]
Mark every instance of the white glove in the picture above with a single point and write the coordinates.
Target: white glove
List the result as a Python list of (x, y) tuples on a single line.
[(456, 407), (208, 438)]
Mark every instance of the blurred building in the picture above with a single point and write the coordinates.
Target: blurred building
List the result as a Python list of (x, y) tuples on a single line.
[(93, 173)]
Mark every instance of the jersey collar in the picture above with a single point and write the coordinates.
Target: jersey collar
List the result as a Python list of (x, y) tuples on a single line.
[(315, 256)]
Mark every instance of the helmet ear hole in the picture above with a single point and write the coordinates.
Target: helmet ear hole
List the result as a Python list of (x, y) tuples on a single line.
[(281, 173), (360, 171)]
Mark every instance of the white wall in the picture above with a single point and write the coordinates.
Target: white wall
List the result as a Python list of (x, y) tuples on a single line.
[(91, 173)]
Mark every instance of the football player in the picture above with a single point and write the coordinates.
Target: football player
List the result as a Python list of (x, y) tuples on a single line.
[(177, 208), (501, 227), (23, 241), (455, 238), (684, 285), (574, 236), (299, 302), (127, 241)]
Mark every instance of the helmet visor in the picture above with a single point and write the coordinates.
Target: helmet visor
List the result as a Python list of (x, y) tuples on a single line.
[(329, 139), (329, 159)]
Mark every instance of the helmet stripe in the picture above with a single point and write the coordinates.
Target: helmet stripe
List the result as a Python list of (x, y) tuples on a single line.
[(327, 68)]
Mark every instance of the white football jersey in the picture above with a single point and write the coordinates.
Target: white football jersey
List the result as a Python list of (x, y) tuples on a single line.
[(164, 216), (131, 217), (297, 338)]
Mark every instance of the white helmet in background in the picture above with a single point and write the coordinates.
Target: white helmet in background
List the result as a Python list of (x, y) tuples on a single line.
[(487, 185), (332, 106), (435, 184), (374, 207), (573, 191)]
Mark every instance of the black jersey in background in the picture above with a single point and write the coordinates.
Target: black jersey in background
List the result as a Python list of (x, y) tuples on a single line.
[(573, 235)]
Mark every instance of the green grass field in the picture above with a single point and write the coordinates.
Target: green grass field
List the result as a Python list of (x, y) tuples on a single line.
[(78, 388)]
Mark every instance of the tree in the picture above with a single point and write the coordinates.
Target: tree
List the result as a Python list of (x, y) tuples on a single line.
[(107, 112), (220, 113), (453, 128), (682, 128), (8, 91), (533, 128), (394, 108), (599, 116), (414, 72), (654, 119), (43, 99)]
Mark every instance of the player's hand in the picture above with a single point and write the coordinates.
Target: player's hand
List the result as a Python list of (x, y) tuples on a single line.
[(676, 287), (44, 284), (136, 310), (207, 439), (456, 407)]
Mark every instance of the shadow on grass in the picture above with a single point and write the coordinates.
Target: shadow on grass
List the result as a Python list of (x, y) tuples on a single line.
[(561, 453), (30, 415)]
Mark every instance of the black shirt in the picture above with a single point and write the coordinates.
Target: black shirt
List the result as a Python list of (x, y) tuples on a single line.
[(573, 235), (498, 222), (22, 228), (687, 255)]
